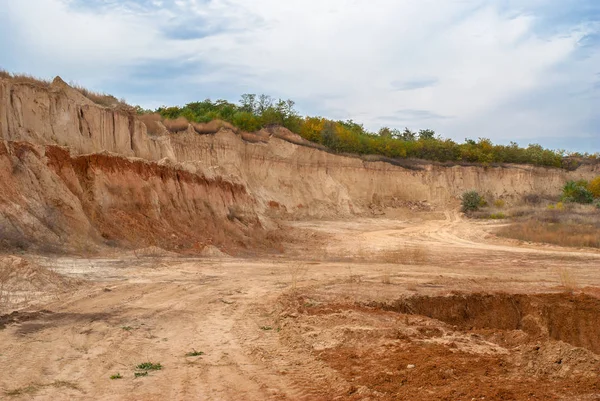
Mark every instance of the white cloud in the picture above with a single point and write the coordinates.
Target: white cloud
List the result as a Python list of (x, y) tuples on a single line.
[(342, 58)]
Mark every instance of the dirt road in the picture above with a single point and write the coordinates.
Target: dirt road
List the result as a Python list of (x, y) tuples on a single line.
[(362, 309)]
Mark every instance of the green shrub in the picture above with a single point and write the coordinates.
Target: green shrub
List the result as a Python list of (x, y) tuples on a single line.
[(577, 192), (497, 216), (471, 200), (499, 203)]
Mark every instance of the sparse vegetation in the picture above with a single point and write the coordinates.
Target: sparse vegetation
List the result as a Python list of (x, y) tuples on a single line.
[(496, 216), (34, 388), (195, 353), (22, 390), (149, 366), (140, 374), (266, 328), (116, 376), (296, 272), (408, 255), (567, 281), (101, 99), (573, 227), (127, 328)]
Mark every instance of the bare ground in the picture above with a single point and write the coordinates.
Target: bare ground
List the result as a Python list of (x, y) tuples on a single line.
[(427, 307)]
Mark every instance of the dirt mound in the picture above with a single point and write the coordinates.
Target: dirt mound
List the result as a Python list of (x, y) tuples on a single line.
[(212, 251), (153, 251), (21, 275)]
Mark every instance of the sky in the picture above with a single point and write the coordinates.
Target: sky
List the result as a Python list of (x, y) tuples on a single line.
[(510, 70)]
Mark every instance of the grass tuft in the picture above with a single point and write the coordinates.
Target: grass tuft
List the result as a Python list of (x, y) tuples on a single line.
[(149, 366)]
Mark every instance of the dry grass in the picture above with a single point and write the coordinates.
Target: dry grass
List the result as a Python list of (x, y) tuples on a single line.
[(102, 99), (573, 226), (211, 127), (567, 280), (415, 255), (152, 123), (25, 79), (563, 234), (296, 271), (386, 277), (177, 125)]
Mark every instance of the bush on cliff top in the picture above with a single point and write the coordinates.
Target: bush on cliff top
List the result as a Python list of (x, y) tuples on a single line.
[(255, 112)]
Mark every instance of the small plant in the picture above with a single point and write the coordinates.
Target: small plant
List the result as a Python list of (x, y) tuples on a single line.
[(497, 216), (266, 328), (597, 204), (567, 281), (471, 200), (149, 366), (115, 377), (297, 271), (386, 277), (194, 353), (127, 328), (499, 203), (140, 374)]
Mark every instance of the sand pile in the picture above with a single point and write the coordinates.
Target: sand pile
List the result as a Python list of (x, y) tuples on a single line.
[(212, 251), (21, 275)]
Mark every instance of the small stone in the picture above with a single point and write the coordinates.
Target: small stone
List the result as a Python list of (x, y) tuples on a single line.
[(410, 366)]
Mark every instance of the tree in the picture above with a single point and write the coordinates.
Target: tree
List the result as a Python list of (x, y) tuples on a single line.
[(408, 135), (264, 103), (426, 134), (248, 102), (329, 135), (385, 132)]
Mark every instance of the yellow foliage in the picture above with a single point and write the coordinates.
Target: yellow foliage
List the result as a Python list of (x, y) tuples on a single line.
[(594, 187), (311, 128)]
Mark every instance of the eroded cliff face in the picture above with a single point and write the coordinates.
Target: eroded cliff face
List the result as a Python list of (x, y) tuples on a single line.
[(51, 200), (71, 170), (301, 181)]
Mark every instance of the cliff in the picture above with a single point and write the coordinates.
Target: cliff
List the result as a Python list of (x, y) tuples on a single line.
[(73, 172)]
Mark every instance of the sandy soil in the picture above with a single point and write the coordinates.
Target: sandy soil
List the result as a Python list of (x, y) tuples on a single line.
[(375, 309)]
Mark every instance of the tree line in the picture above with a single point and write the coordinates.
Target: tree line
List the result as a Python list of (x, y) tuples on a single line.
[(255, 112)]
